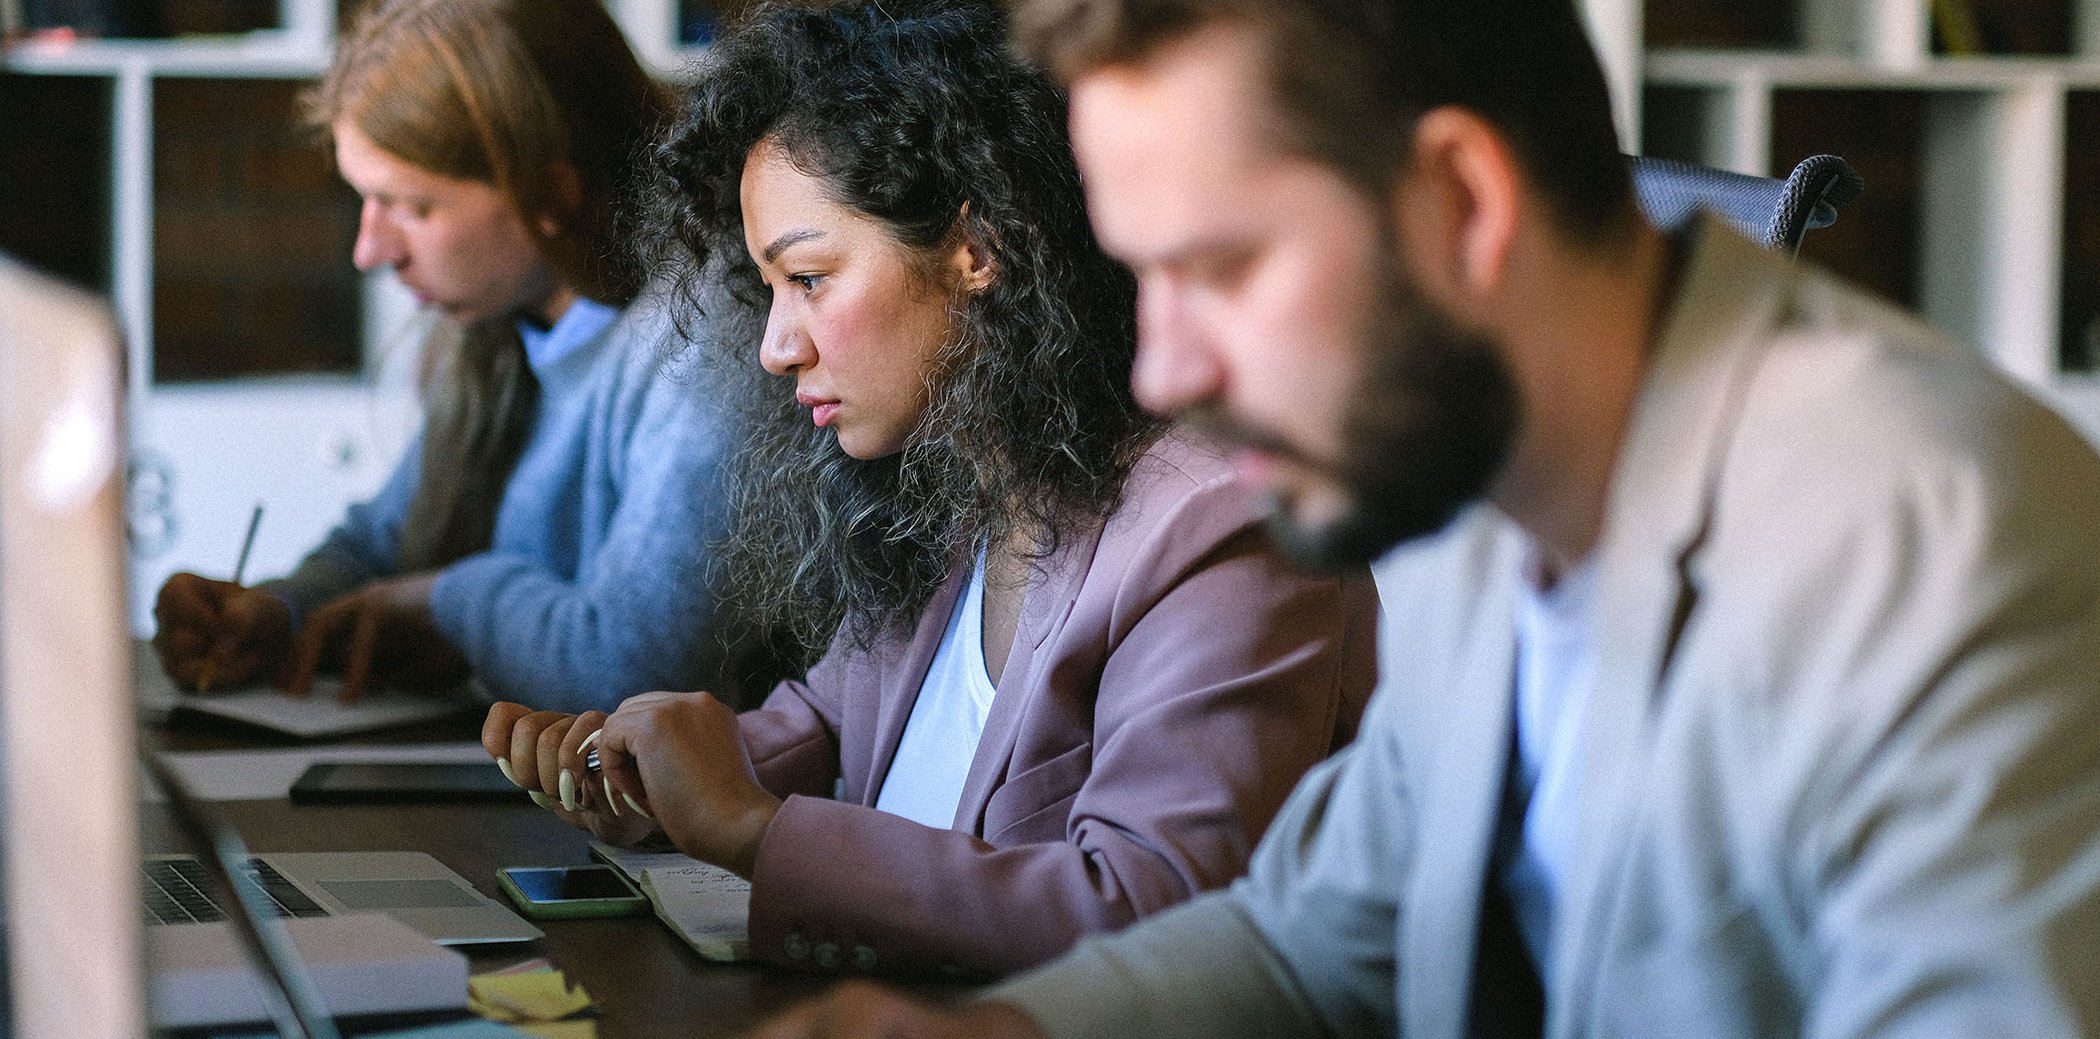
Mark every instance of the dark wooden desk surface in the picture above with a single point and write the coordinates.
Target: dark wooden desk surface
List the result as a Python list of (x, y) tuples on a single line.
[(644, 980)]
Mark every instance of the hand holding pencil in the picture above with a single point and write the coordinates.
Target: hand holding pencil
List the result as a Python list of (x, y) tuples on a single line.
[(240, 567), (215, 634)]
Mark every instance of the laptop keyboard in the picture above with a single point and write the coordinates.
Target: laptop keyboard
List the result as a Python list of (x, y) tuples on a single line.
[(179, 891)]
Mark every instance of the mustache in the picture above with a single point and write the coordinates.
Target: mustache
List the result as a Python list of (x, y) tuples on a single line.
[(1211, 420)]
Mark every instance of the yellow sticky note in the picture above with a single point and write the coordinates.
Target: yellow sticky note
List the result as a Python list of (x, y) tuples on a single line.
[(515, 998)]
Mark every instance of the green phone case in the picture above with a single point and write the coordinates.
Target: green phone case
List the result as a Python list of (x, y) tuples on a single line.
[(570, 908)]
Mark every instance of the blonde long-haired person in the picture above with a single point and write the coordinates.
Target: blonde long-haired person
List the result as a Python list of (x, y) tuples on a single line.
[(544, 533)]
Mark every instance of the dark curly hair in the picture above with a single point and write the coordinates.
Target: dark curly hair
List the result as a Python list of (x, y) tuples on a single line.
[(918, 116)]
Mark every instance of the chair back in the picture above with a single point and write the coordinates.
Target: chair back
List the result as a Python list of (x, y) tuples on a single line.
[(1772, 211)]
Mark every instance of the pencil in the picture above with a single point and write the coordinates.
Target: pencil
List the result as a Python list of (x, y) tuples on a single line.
[(240, 567), (240, 564)]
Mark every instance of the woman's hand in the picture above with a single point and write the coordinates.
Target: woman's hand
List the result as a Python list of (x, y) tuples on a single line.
[(543, 752), (217, 634), (687, 751), (669, 761), (381, 632)]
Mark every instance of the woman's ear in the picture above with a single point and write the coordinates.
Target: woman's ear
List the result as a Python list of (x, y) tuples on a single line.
[(565, 186), (971, 258)]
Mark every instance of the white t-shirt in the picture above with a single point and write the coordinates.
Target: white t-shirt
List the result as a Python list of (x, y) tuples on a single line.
[(925, 781)]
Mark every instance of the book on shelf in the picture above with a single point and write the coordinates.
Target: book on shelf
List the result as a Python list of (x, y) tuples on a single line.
[(1954, 21)]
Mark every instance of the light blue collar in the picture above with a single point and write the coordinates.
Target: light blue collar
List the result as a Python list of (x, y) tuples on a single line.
[(581, 323)]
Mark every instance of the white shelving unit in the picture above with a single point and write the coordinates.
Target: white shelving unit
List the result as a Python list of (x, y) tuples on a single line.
[(1992, 194)]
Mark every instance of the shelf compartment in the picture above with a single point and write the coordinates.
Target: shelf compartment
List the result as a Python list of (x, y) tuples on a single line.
[(2079, 326), (1896, 34), (1876, 241), (1747, 24), (55, 161), (252, 233)]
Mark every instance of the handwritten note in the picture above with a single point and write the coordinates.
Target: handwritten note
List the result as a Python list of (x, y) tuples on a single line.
[(707, 906)]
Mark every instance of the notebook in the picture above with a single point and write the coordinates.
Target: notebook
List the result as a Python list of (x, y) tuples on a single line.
[(707, 906), (315, 716)]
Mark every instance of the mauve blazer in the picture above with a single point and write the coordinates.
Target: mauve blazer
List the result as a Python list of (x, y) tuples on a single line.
[(1171, 678)]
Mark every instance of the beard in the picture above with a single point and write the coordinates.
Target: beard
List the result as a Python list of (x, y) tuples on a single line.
[(1425, 433)]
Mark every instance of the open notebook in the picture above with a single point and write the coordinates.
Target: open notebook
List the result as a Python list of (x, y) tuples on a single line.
[(312, 717)]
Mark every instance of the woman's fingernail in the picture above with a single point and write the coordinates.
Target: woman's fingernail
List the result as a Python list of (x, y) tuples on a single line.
[(568, 792), (637, 808), (503, 766), (542, 800), (609, 798)]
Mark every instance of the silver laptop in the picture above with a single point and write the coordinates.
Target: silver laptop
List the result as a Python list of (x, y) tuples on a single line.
[(366, 925), (409, 886), (69, 867)]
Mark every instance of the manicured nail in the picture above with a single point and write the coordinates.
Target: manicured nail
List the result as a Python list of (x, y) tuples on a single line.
[(609, 798), (568, 792), (503, 766), (542, 800), (637, 808)]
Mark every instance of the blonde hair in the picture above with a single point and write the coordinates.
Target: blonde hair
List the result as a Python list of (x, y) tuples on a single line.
[(508, 93)]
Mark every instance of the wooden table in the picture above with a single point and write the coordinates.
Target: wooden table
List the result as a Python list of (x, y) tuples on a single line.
[(644, 980)]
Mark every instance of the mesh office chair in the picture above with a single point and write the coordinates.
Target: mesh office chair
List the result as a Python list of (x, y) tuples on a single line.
[(1772, 211)]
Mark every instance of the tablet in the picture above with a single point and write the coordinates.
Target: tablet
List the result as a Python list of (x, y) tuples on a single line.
[(381, 782)]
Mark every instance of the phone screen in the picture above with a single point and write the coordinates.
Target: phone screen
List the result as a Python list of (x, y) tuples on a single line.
[(560, 884)]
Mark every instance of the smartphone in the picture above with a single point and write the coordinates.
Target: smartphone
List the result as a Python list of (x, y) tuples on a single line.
[(571, 892), (369, 782)]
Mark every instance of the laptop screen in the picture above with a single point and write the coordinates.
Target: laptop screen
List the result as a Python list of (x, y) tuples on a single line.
[(68, 788)]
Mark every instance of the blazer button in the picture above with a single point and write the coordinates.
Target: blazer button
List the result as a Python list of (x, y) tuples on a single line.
[(863, 958), (796, 946), (827, 955)]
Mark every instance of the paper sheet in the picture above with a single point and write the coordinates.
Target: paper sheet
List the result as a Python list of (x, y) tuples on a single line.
[(314, 716), (318, 715), (707, 906), (261, 775)]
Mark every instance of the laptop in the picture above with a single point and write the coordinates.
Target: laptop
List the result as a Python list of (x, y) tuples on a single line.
[(66, 863), (366, 925), (409, 886), (71, 937)]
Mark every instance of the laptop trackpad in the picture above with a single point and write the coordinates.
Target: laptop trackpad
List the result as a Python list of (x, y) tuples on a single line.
[(399, 894)]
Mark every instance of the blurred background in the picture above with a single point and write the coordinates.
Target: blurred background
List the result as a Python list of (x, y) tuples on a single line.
[(151, 150)]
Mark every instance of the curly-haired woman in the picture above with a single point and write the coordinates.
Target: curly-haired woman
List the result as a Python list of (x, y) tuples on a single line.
[(1069, 678)]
